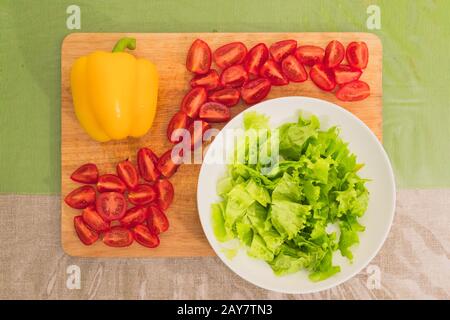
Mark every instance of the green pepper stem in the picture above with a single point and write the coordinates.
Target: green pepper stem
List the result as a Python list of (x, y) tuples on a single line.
[(122, 44)]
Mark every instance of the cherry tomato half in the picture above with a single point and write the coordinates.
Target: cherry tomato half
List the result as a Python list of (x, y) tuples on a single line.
[(227, 96), (142, 195), (196, 131), (357, 54), (165, 193), (110, 182), (293, 69), (334, 54), (81, 197), (86, 234), (134, 216), (309, 55), (127, 172), (353, 91), (281, 49), (180, 120), (87, 173), (255, 90), (234, 76), (230, 54), (94, 220), (145, 237), (209, 81), (193, 100), (111, 205), (199, 57), (168, 166), (118, 237), (272, 71), (146, 161), (322, 77), (214, 112), (256, 58), (157, 220), (344, 74)]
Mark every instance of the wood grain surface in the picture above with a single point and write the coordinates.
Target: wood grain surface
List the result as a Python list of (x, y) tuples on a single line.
[(168, 51)]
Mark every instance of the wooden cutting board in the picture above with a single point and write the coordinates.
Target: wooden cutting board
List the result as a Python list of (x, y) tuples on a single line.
[(168, 51)]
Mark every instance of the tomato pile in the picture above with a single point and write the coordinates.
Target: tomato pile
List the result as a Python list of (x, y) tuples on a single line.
[(105, 209)]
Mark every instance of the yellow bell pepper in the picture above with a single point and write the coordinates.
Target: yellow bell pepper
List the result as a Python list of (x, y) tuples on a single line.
[(114, 93)]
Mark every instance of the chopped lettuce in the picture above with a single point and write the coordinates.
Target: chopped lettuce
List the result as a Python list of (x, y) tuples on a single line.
[(280, 207)]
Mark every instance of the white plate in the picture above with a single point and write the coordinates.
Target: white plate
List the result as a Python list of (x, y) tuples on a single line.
[(377, 219)]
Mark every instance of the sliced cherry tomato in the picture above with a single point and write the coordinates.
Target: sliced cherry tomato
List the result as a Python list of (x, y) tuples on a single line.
[(142, 195), (111, 205), (255, 90), (272, 71), (230, 54), (353, 91), (234, 76), (281, 49), (180, 120), (228, 96), (94, 220), (145, 237), (209, 81), (81, 197), (334, 54), (147, 161), (86, 234), (256, 58), (157, 220), (214, 112), (344, 74), (193, 100), (357, 54), (127, 172), (87, 173), (309, 55), (134, 216), (118, 237), (199, 57), (293, 69), (322, 77), (168, 166), (110, 182), (196, 131), (165, 193)]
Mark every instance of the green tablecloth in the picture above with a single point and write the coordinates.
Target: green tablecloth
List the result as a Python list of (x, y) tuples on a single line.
[(415, 75)]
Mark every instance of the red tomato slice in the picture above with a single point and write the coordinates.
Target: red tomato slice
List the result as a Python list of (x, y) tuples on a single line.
[(180, 120), (193, 100), (168, 166), (293, 69), (146, 161), (334, 54), (255, 90), (110, 182), (309, 55), (230, 54), (344, 74), (86, 234), (196, 131), (145, 237), (281, 49), (157, 220), (87, 173), (214, 112), (272, 71), (234, 76), (94, 220), (256, 58), (165, 193), (142, 195), (228, 96), (357, 54), (134, 216), (127, 172), (118, 237), (111, 205), (322, 77), (353, 91), (199, 57), (209, 81), (81, 197)]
